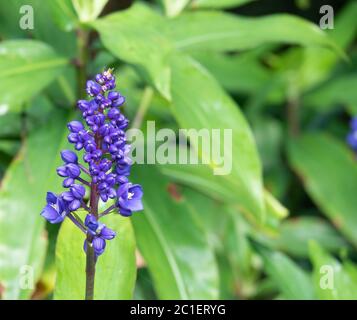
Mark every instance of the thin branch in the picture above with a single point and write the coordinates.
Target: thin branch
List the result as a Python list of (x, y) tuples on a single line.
[(143, 107), (77, 223), (83, 181), (107, 211), (85, 207), (84, 169)]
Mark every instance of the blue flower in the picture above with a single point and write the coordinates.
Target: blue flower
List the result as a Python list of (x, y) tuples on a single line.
[(55, 210), (104, 167), (100, 233), (129, 198), (69, 156)]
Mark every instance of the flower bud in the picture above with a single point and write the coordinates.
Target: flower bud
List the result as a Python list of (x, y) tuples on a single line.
[(69, 156), (75, 126)]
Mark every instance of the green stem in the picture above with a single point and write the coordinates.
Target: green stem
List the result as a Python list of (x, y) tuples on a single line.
[(90, 271), (293, 116), (82, 44), (90, 259), (293, 112), (143, 107)]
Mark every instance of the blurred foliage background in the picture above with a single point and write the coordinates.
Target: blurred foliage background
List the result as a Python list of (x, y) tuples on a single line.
[(263, 68)]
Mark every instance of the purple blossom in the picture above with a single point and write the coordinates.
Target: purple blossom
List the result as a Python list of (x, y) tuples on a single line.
[(105, 169), (129, 198), (69, 156), (99, 232), (55, 210)]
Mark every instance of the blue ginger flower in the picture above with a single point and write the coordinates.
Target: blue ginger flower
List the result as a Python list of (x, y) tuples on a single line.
[(105, 170), (100, 233)]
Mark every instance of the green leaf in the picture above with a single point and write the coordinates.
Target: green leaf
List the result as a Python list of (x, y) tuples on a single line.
[(174, 7), (292, 281), (46, 28), (239, 253), (149, 48), (333, 280), (88, 10), (326, 167), (213, 30), (225, 68), (64, 14), (22, 196), (200, 103), (115, 269), (26, 67), (145, 47), (307, 67), (296, 233), (317, 63), (339, 90), (200, 177), (218, 4), (174, 247)]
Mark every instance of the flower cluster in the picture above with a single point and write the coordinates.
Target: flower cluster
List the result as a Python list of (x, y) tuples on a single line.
[(102, 139), (352, 136)]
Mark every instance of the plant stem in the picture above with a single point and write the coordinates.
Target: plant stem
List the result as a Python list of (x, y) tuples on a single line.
[(107, 211), (82, 44), (293, 117), (83, 181), (143, 107), (293, 114), (90, 270), (90, 259), (76, 222)]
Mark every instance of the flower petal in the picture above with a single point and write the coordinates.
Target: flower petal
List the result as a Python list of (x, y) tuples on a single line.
[(98, 245), (51, 214), (51, 198), (107, 233)]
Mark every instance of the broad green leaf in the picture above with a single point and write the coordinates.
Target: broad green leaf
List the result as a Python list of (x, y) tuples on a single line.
[(218, 3), (329, 172), (200, 103), (26, 67), (241, 73), (296, 233), (239, 252), (9, 20), (218, 31), (9, 146), (22, 196), (174, 247), (201, 178), (88, 10), (64, 14), (136, 36), (45, 28), (339, 90), (292, 281), (174, 7), (333, 280), (317, 63), (115, 269)]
